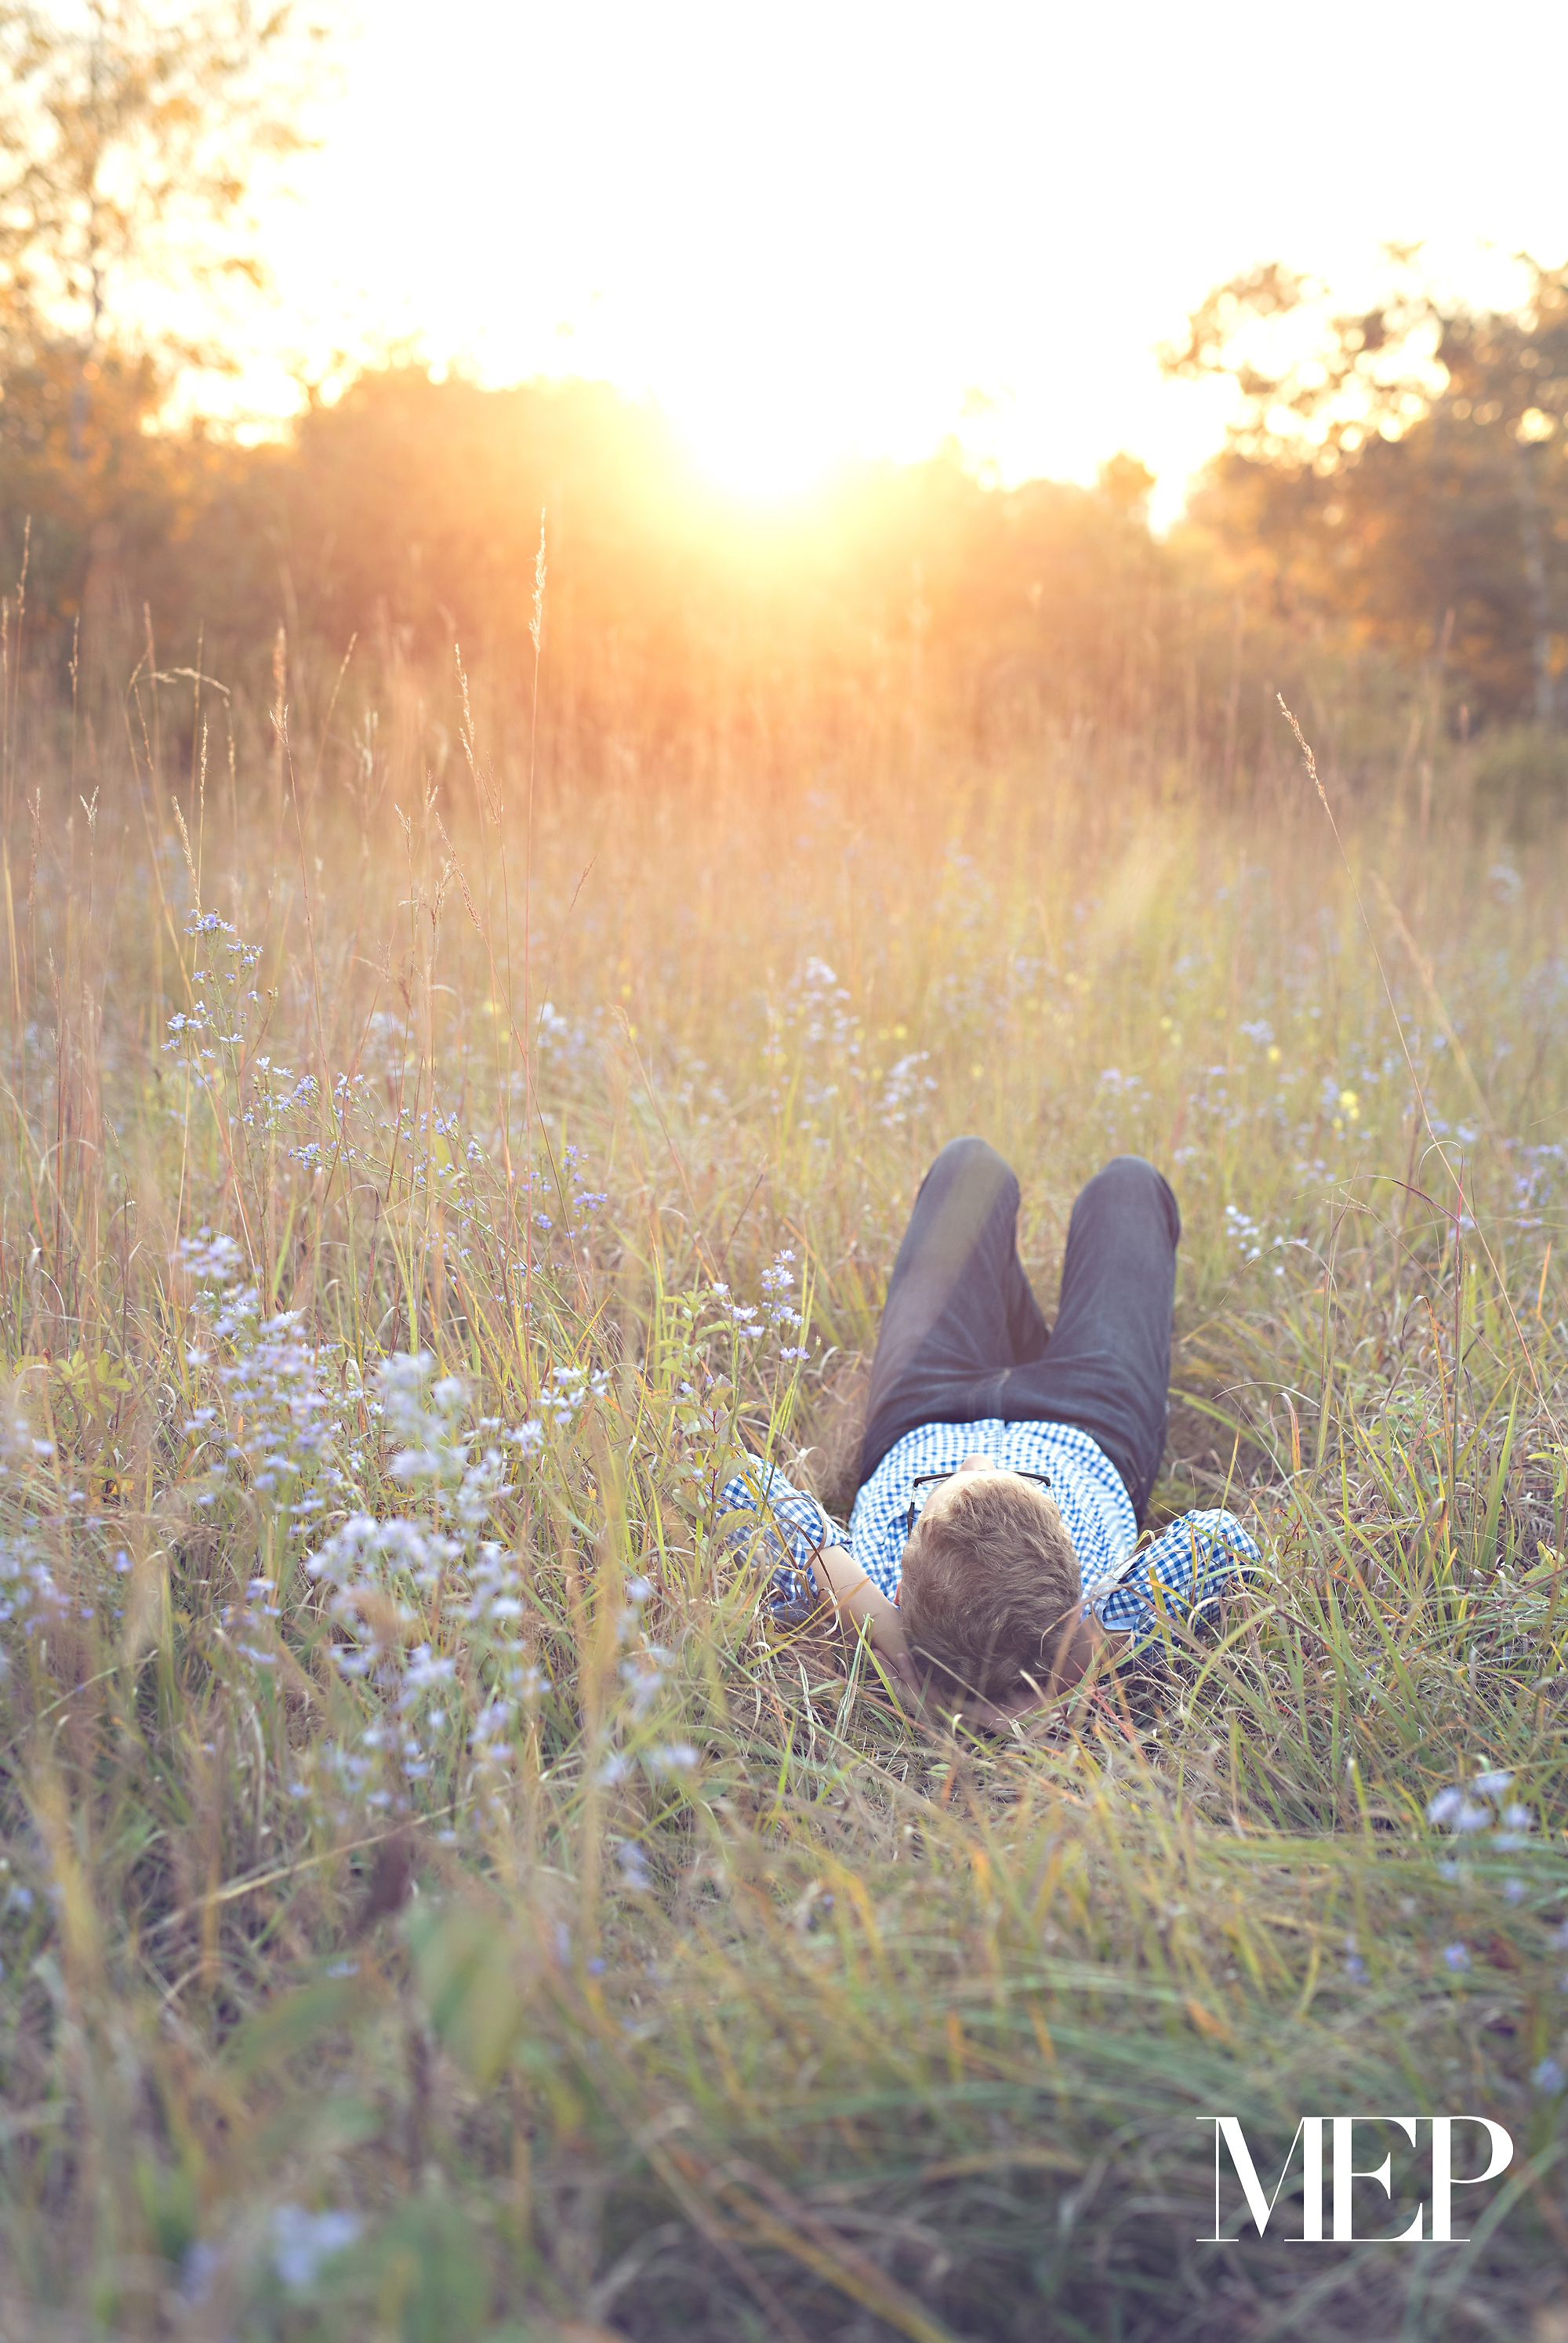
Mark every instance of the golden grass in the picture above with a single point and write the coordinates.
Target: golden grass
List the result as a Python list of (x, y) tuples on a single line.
[(606, 1962)]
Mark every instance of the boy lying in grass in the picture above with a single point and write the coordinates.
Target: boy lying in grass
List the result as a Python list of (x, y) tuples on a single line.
[(1005, 1470)]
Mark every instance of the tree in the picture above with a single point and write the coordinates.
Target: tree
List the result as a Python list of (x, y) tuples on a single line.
[(1403, 467), (126, 146), (130, 140)]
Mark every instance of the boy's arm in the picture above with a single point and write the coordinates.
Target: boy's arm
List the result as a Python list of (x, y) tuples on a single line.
[(855, 1598)]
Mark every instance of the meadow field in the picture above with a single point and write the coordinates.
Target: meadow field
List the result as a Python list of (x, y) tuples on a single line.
[(432, 1903)]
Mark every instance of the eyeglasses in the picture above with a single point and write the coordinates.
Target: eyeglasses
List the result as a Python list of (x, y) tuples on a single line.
[(926, 1479)]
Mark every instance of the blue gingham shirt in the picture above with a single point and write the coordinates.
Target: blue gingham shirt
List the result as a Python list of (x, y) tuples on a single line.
[(1127, 1588)]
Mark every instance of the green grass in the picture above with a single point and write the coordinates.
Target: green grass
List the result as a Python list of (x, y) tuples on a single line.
[(617, 1967)]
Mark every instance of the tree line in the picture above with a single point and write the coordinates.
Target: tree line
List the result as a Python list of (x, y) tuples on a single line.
[(1402, 472), (1384, 536)]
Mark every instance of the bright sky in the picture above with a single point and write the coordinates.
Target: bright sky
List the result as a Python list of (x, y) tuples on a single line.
[(811, 230)]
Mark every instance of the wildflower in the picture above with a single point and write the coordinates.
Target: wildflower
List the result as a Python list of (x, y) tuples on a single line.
[(904, 1090), (1549, 2077), (424, 1419), (302, 2241), (199, 2269), (1468, 1811), (633, 1865), (1457, 1957), (673, 1757), (642, 1675), (420, 1671), (208, 1260)]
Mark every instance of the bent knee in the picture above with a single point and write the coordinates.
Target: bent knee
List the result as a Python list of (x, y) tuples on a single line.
[(1132, 1181), (973, 1161)]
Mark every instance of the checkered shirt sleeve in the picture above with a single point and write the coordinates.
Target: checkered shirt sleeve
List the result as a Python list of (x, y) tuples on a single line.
[(1188, 1568), (764, 1520)]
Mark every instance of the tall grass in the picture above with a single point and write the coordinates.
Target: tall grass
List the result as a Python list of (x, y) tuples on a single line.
[(433, 1903)]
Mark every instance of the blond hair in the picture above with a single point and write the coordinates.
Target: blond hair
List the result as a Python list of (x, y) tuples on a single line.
[(992, 1587)]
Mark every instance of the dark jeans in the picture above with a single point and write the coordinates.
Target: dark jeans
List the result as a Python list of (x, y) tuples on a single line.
[(962, 1334)]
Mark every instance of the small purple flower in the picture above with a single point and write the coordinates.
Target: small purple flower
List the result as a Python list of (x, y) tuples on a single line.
[(1549, 2077), (1457, 1956), (633, 1865)]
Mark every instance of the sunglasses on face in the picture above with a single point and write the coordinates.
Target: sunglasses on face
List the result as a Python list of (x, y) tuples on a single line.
[(927, 1481)]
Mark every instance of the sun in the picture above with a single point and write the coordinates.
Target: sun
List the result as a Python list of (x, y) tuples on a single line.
[(759, 451)]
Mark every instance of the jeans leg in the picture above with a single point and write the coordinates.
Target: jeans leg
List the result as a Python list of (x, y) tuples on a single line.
[(1108, 1368), (960, 1310)]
